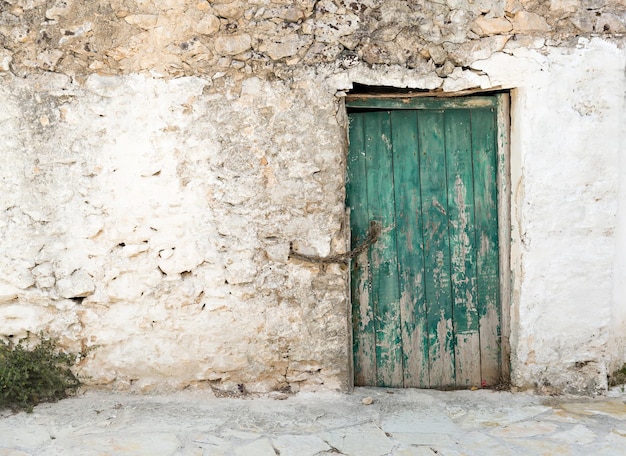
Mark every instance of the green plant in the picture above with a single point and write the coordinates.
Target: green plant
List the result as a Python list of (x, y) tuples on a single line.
[(30, 375), (618, 377)]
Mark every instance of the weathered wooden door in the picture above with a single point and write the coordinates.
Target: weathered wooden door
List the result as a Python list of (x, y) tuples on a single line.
[(425, 295)]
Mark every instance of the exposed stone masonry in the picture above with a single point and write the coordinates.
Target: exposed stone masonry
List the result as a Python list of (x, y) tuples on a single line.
[(159, 158), (171, 38)]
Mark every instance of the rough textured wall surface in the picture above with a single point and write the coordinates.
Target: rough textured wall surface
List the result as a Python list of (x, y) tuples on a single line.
[(566, 144), (154, 222), (160, 157), (263, 37)]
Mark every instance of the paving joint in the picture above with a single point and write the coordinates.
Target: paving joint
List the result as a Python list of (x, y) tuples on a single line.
[(406, 423)]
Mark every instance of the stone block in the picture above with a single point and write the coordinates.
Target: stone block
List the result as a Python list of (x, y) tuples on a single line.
[(233, 10), (233, 44), (513, 6), (78, 285), (569, 6), (464, 79), (611, 23), (484, 26), (6, 57), (144, 21), (525, 22), (59, 9), (8, 292), (285, 46), (467, 53), (44, 275), (208, 25)]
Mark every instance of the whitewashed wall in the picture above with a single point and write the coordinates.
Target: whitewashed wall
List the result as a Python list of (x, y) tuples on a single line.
[(153, 223), (567, 146), (157, 163)]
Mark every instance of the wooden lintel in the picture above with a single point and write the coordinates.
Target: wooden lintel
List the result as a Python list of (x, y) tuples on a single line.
[(430, 93)]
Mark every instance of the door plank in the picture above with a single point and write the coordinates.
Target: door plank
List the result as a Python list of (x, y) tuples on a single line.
[(436, 249), (383, 260), (410, 251), (462, 246), (426, 296), (364, 342), (487, 261)]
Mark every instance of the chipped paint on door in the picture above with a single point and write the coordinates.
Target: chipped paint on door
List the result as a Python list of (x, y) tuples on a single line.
[(426, 310)]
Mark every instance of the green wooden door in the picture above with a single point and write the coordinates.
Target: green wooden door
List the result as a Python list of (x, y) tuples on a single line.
[(425, 295)]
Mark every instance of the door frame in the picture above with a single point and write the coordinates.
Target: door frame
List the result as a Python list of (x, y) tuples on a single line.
[(504, 192)]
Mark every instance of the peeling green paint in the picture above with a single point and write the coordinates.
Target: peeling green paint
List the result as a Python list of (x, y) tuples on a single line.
[(426, 309)]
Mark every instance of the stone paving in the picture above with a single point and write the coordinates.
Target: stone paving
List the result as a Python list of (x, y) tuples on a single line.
[(398, 422)]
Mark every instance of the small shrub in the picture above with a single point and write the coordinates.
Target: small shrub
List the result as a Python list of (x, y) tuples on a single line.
[(29, 376), (618, 377)]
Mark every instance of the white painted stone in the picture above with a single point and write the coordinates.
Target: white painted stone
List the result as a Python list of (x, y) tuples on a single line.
[(77, 285), (179, 196), (6, 58), (8, 292), (465, 79), (184, 258), (587, 179)]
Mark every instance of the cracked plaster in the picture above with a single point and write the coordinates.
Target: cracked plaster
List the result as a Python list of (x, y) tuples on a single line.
[(158, 158)]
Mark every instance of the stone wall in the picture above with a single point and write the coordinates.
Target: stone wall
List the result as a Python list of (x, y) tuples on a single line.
[(154, 222), (160, 157), (213, 39)]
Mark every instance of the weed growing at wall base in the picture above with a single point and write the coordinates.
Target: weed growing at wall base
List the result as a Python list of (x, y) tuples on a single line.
[(30, 375), (618, 377)]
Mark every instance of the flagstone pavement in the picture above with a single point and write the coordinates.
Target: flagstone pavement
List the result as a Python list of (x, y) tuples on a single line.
[(398, 422)]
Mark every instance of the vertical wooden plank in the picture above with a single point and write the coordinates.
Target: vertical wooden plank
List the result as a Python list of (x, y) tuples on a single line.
[(486, 211), (505, 232), (462, 246), (362, 311), (409, 245), (383, 259), (436, 248)]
